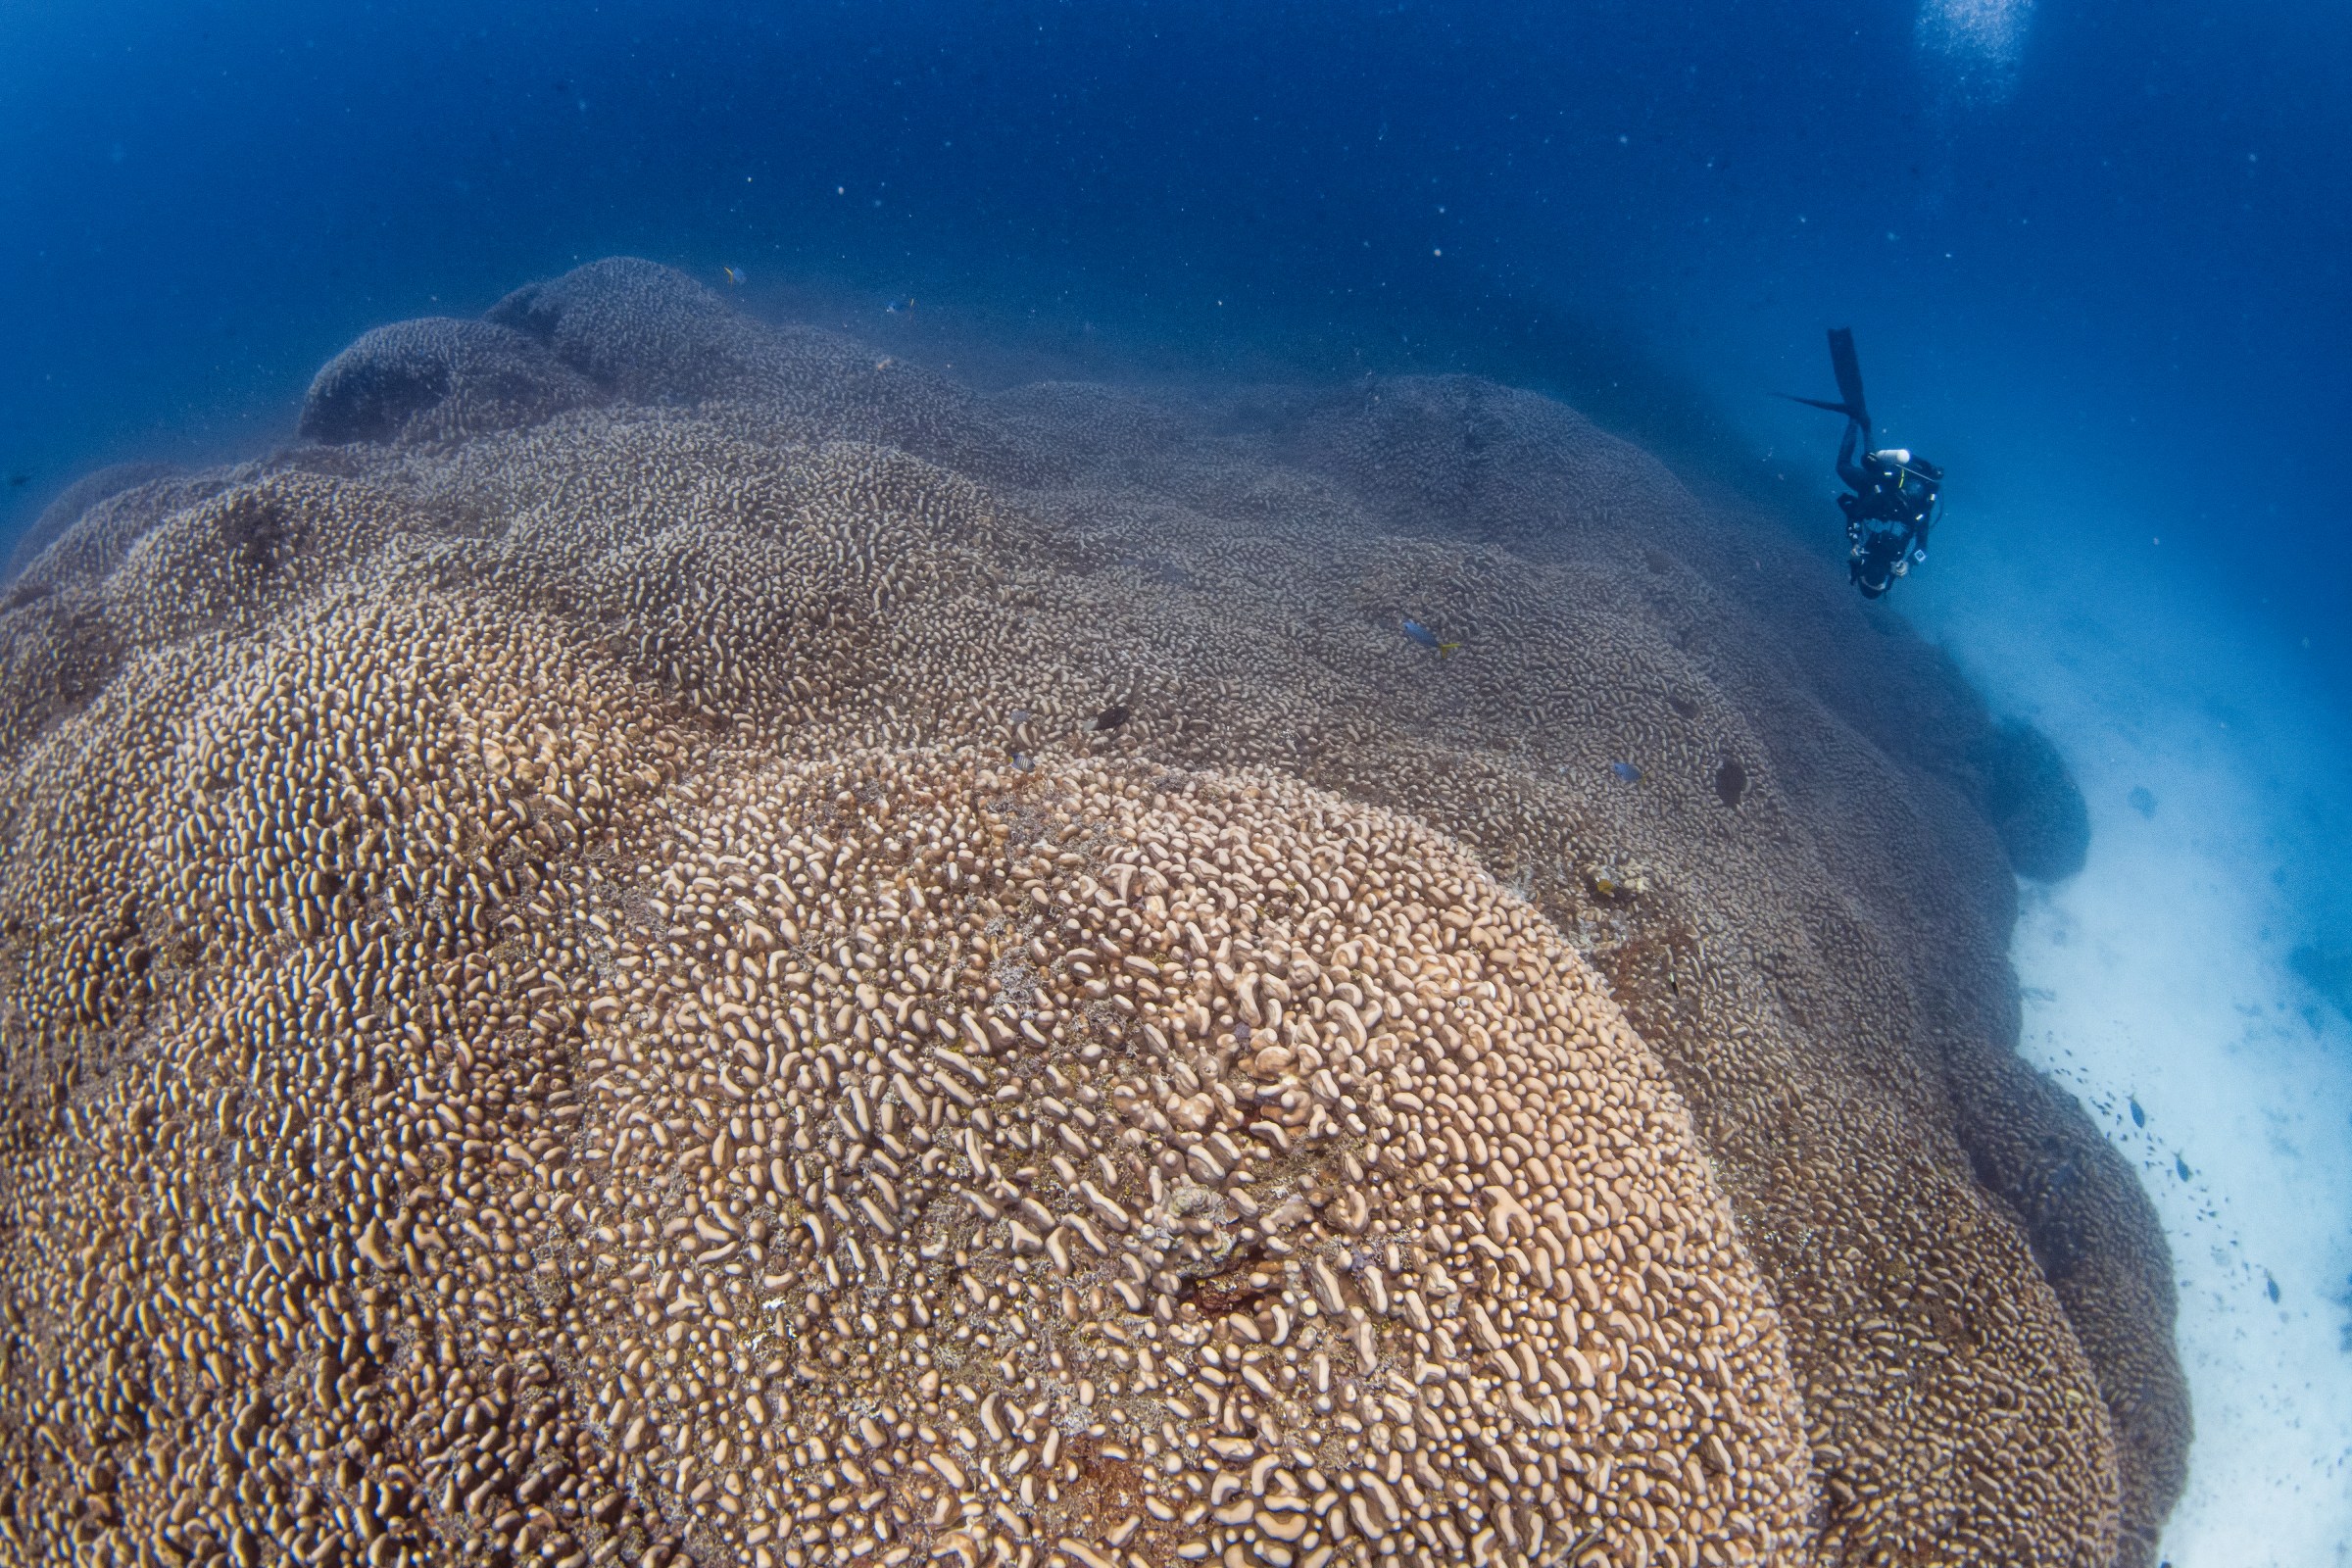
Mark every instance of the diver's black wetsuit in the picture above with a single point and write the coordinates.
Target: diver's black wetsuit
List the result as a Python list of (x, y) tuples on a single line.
[(1887, 517)]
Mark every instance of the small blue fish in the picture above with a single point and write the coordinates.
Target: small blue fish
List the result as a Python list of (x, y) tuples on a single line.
[(2270, 1286), (1626, 772), (735, 275), (2181, 1168), (1427, 638), (2140, 1117), (898, 308)]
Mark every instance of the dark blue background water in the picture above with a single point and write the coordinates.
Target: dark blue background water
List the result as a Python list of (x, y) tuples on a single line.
[(2105, 285)]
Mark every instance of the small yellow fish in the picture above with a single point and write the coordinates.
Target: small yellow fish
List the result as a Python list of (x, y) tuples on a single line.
[(735, 275)]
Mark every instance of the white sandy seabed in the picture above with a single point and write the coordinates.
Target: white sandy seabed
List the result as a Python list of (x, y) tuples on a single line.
[(2160, 975)]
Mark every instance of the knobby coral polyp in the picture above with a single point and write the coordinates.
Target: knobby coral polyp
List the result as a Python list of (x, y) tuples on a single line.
[(607, 997)]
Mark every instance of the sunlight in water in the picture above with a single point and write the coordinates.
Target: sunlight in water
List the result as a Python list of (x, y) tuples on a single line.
[(1981, 39)]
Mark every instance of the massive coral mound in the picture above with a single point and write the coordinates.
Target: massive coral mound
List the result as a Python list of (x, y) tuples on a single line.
[(636, 966), (838, 1237), (1461, 456), (437, 379), (647, 334), (638, 328), (2035, 804), (1145, 1169), (67, 506)]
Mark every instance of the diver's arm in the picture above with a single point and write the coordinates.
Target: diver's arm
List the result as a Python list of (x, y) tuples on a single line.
[(1848, 471)]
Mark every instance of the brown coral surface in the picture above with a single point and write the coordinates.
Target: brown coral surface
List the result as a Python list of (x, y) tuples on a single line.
[(581, 983)]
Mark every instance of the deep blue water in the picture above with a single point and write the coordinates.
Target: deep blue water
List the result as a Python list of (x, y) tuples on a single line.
[(2099, 264), (2093, 252)]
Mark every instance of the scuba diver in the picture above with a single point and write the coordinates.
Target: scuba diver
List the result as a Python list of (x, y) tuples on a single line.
[(1895, 493)]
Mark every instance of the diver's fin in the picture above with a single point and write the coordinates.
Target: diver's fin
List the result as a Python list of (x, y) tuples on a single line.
[(1816, 403), (1849, 370), (1850, 373)]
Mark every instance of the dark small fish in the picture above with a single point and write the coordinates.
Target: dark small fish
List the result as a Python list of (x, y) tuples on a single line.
[(1111, 717), (1427, 638), (1024, 761), (2140, 1117), (1626, 772), (2180, 1167), (1019, 715), (1240, 1035), (2143, 801), (2269, 1285), (17, 481)]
